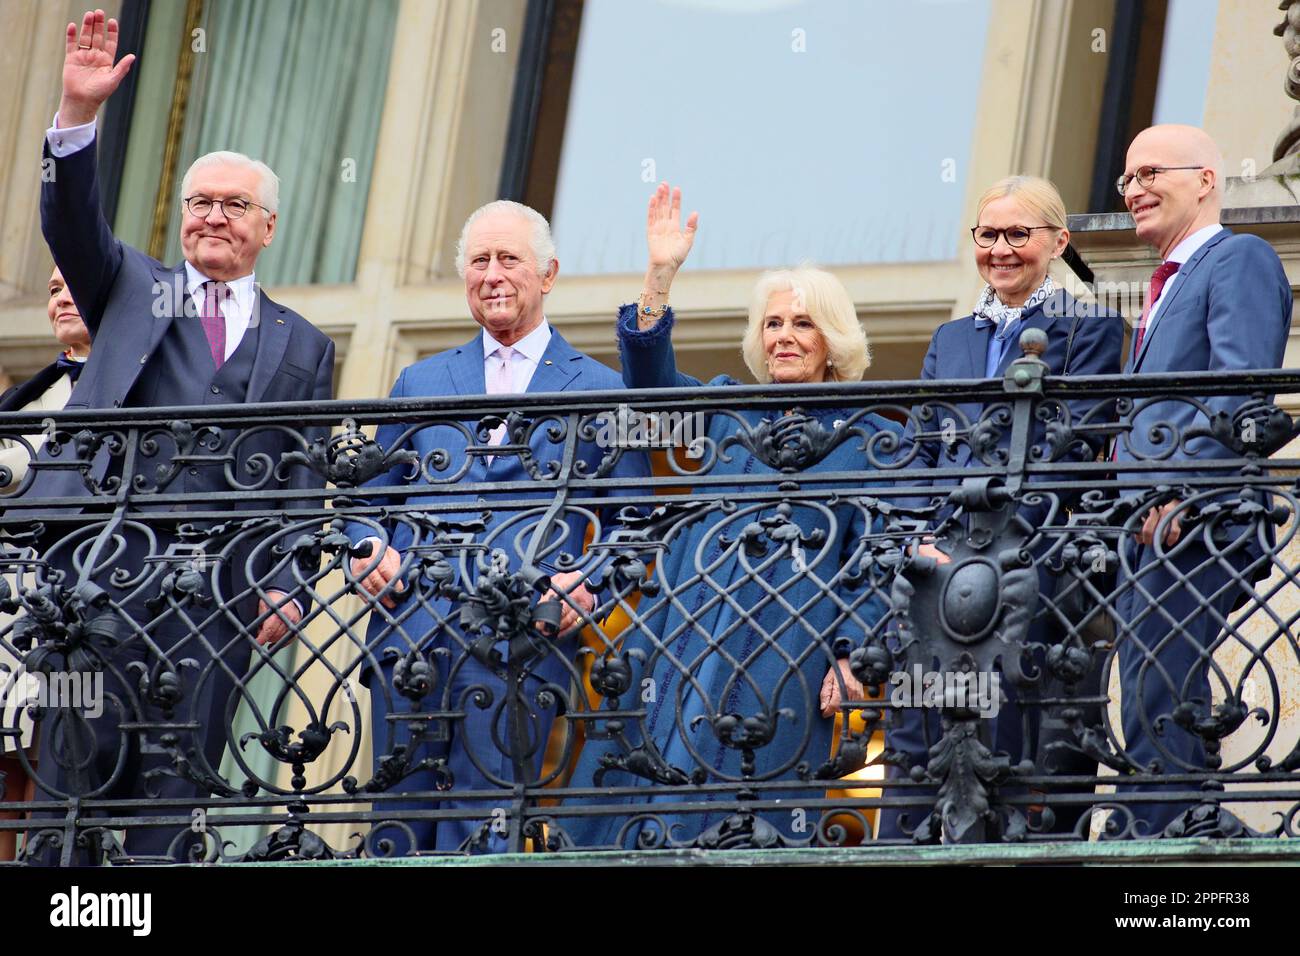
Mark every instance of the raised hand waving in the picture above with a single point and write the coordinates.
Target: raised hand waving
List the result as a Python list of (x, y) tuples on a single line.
[(89, 74), (668, 242)]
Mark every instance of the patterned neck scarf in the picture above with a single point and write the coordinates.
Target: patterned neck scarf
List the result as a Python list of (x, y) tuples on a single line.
[(989, 310)]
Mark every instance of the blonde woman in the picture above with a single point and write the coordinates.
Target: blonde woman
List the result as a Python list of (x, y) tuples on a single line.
[(1020, 229)]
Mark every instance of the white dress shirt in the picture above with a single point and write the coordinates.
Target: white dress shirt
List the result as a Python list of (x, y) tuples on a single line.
[(1182, 252), (525, 359), (237, 310), (69, 139)]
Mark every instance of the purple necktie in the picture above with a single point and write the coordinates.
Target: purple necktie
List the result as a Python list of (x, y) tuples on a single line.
[(214, 323)]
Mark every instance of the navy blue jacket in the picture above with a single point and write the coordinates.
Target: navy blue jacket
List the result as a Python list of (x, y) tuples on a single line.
[(958, 350), (128, 300)]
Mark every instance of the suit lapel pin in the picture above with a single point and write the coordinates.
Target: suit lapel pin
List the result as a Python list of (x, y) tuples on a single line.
[(279, 321), (548, 362)]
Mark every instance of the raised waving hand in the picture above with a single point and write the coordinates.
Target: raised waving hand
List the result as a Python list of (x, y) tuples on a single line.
[(89, 74), (669, 243)]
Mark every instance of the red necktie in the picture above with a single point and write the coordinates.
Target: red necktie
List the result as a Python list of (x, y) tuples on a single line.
[(1154, 288), (214, 323)]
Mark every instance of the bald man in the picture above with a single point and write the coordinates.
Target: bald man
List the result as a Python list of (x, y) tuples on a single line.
[(1217, 302)]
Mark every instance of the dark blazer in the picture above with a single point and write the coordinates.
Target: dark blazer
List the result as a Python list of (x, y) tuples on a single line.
[(20, 395), (958, 350), (1230, 309), (131, 304), (128, 300), (15, 399)]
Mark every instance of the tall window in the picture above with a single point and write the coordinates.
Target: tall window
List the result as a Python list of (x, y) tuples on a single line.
[(833, 131), (1185, 61), (1159, 73)]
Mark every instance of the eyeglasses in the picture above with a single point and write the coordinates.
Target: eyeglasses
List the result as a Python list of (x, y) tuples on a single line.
[(986, 237), (200, 206), (1146, 175)]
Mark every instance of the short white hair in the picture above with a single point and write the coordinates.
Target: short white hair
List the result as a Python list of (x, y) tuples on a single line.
[(268, 194), (830, 307), (540, 241)]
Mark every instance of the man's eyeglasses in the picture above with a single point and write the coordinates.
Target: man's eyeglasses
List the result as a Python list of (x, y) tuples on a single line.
[(1146, 175), (986, 237), (200, 206)]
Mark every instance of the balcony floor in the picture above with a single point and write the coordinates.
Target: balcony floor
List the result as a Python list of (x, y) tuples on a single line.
[(1117, 853)]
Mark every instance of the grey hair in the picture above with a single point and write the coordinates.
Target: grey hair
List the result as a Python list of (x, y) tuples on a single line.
[(540, 242), (268, 194)]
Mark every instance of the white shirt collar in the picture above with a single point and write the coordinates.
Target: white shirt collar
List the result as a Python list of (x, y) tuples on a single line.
[(532, 346), (1188, 247), (242, 289)]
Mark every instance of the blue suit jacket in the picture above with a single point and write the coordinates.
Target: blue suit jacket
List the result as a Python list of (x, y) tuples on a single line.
[(1230, 309), (459, 371), (958, 351)]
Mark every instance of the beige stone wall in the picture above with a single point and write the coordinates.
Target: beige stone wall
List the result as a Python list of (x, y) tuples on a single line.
[(31, 63)]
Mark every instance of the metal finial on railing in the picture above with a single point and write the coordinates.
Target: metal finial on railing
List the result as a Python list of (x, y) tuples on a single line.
[(1033, 342), (1026, 373)]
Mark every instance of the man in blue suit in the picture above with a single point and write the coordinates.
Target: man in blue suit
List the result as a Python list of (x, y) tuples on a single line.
[(507, 259), (199, 333), (1217, 302)]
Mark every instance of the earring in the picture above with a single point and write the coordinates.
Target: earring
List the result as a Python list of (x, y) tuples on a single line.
[(830, 364)]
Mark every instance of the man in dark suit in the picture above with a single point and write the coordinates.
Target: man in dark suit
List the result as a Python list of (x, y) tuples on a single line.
[(1217, 302), (507, 259), (200, 333)]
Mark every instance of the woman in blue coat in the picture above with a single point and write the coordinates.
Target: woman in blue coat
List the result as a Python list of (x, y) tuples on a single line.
[(738, 664)]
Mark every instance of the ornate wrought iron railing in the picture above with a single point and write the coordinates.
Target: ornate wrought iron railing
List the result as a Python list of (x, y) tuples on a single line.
[(968, 551)]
